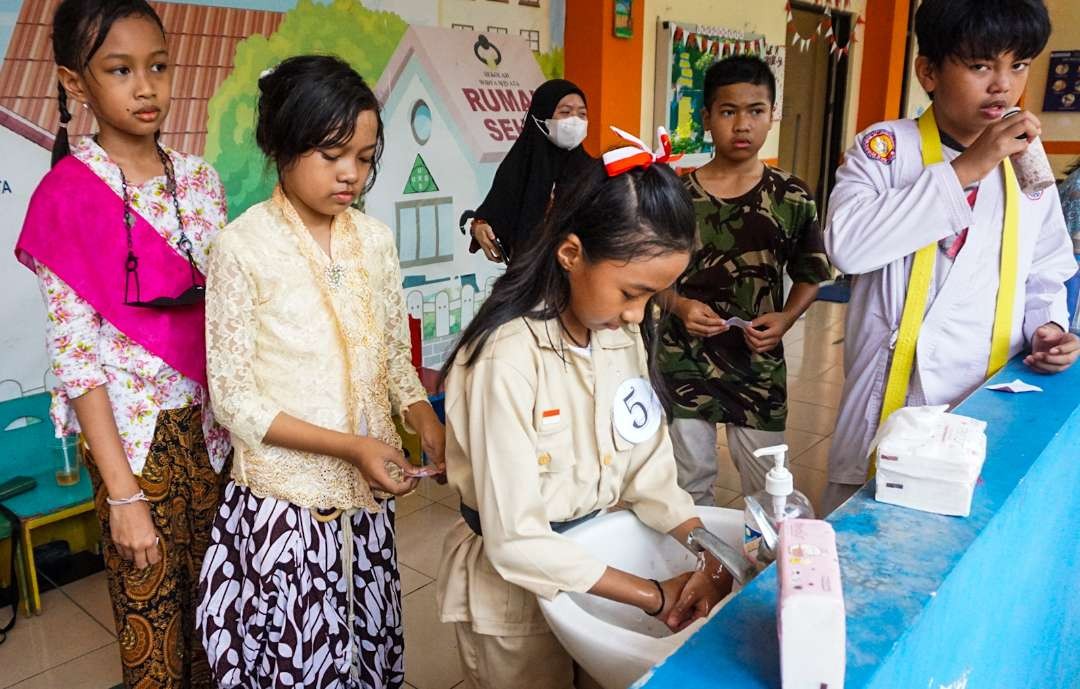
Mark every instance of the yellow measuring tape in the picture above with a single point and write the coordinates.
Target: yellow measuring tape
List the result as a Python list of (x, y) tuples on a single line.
[(922, 269)]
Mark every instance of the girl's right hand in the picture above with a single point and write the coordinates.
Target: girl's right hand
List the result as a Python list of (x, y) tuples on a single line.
[(371, 457), (485, 237), (132, 531)]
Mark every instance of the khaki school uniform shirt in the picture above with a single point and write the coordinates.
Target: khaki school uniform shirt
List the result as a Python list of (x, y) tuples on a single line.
[(529, 441)]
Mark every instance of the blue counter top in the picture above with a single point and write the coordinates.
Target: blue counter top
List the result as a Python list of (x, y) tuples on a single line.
[(937, 602)]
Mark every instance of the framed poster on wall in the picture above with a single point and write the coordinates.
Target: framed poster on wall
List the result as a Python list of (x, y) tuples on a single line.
[(1063, 82), (624, 27)]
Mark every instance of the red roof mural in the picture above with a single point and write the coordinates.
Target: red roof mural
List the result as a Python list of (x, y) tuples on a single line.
[(202, 42)]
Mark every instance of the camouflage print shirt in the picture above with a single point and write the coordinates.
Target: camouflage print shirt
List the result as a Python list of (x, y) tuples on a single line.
[(743, 245)]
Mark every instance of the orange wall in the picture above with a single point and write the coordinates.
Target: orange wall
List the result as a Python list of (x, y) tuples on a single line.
[(606, 68), (884, 38)]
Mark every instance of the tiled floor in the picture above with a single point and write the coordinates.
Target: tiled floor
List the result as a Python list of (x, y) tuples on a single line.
[(73, 645)]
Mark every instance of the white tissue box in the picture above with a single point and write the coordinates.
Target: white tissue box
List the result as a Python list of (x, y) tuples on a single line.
[(930, 460)]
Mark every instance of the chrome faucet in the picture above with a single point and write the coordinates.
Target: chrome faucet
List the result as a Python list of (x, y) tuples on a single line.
[(701, 540)]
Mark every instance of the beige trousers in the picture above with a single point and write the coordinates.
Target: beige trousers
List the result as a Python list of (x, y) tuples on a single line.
[(536, 661), (694, 441)]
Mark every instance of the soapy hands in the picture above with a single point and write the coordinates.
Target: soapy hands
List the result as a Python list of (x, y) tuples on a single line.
[(691, 595), (1052, 349)]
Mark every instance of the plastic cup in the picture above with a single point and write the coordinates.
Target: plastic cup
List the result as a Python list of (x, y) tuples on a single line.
[(1032, 167), (66, 454)]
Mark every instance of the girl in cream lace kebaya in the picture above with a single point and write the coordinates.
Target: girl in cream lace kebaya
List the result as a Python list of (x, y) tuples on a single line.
[(308, 357)]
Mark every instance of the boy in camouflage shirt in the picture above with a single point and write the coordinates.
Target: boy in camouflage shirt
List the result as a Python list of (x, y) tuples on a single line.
[(753, 222)]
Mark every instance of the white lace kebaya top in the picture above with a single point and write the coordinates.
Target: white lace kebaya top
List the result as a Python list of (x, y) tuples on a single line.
[(326, 341)]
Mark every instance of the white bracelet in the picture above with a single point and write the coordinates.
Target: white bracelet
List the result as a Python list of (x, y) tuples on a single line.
[(138, 497)]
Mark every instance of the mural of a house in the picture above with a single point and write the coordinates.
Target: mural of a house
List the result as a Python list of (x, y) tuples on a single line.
[(202, 41), (453, 104), (531, 20)]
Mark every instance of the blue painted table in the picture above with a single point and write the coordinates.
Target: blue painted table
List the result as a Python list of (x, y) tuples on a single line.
[(31, 450), (938, 602)]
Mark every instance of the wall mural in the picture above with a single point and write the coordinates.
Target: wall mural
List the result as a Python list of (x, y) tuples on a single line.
[(455, 78)]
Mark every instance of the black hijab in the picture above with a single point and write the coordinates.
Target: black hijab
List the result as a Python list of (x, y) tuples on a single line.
[(520, 192)]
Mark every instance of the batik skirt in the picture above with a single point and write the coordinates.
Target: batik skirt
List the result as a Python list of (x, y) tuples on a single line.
[(285, 604)]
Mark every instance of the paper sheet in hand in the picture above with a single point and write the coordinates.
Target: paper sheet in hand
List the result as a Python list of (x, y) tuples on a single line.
[(738, 323)]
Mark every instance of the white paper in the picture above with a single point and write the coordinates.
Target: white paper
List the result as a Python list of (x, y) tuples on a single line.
[(1015, 386), (738, 323)]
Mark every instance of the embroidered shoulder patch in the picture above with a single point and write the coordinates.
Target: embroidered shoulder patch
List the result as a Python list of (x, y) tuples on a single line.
[(1035, 195), (880, 145)]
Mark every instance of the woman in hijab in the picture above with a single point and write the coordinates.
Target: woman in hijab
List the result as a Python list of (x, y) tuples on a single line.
[(548, 151)]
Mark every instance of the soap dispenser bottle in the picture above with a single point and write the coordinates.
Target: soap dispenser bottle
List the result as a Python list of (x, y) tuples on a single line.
[(765, 509)]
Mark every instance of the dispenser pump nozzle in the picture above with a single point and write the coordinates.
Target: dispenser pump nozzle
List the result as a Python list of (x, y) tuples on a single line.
[(778, 481)]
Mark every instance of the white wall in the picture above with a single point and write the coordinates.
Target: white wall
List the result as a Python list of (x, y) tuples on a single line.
[(22, 311)]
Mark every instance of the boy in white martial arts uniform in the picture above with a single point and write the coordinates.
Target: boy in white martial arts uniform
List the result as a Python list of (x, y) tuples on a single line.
[(938, 184)]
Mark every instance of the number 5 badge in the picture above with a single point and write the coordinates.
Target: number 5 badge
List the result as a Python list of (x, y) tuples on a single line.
[(636, 410)]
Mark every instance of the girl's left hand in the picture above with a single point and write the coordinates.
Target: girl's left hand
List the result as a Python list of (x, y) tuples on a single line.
[(766, 331), (701, 592)]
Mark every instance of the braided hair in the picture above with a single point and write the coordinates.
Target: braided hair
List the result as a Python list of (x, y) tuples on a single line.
[(79, 29)]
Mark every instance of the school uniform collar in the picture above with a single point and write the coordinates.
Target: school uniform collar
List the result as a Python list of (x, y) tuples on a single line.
[(549, 335)]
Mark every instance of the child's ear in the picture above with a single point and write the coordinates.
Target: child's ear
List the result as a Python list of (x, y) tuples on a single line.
[(569, 252), (74, 85), (926, 73)]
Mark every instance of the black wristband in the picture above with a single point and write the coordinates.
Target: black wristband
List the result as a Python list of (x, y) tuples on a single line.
[(663, 599)]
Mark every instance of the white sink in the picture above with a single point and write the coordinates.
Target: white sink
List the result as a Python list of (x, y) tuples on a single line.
[(617, 643)]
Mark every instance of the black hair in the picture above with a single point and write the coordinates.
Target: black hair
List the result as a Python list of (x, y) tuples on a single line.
[(981, 29), (638, 214), (79, 29), (309, 102), (739, 69)]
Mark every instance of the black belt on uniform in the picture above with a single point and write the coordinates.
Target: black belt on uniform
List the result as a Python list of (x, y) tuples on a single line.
[(472, 518)]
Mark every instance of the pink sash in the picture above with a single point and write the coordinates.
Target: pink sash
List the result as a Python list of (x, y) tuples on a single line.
[(75, 227)]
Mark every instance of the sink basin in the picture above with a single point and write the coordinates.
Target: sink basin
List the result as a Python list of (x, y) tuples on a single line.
[(615, 643)]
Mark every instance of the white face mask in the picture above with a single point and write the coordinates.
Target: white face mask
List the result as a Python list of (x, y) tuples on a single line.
[(567, 132)]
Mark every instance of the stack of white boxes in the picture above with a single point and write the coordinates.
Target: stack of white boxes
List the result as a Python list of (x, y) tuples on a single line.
[(930, 460)]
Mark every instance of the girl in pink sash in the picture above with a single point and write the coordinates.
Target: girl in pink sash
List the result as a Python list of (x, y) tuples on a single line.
[(117, 233)]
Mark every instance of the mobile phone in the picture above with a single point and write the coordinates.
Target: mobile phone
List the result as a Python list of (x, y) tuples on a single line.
[(502, 252)]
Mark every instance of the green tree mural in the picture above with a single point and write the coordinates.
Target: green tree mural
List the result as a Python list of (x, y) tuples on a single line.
[(551, 63), (364, 38)]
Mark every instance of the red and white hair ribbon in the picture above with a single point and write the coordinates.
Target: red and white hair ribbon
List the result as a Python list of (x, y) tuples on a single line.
[(619, 160)]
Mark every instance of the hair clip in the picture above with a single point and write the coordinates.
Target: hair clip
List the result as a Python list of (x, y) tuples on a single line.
[(266, 72), (624, 158)]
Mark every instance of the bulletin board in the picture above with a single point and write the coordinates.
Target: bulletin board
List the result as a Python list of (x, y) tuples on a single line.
[(1063, 82)]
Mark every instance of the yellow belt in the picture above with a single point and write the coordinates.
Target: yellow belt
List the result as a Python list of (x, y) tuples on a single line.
[(922, 269)]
